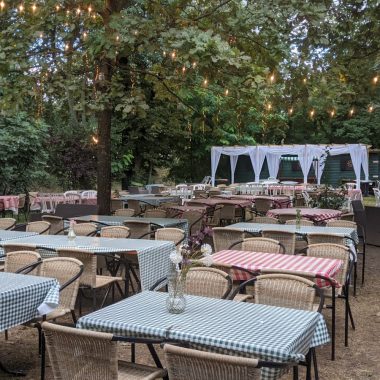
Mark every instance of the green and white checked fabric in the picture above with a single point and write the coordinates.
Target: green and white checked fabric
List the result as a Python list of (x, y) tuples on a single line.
[(303, 230), (239, 328), (152, 200), (119, 220), (24, 297), (11, 235), (153, 255)]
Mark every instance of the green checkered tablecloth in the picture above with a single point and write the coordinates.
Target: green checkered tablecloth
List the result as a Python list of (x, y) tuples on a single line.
[(244, 329), (11, 235), (24, 297), (119, 221), (303, 230), (153, 255)]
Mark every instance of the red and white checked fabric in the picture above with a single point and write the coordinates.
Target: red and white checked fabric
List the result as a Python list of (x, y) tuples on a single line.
[(10, 202), (215, 201), (278, 201), (255, 261), (316, 214)]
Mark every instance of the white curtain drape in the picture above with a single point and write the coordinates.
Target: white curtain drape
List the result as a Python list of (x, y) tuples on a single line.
[(305, 153), (273, 162)]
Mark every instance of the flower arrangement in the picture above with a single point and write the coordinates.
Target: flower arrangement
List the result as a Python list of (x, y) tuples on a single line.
[(192, 254), (330, 198)]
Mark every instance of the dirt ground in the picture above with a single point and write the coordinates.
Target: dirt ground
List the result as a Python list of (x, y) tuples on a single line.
[(361, 360)]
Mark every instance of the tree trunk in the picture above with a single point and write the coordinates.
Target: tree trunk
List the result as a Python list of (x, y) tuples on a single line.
[(104, 161)]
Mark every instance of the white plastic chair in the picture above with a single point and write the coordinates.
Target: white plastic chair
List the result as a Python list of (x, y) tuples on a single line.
[(377, 196), (72, 197), (89, 194), (199, 186)]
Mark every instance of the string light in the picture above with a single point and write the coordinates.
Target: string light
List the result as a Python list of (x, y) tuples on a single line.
[(89, 9), (173, 55), (67, 47), (85, 35), (332, 113), (370, 109), (194, 65), (57, 7), (136, 32), (117, 38), (78, 11), (290, 111), (375, 79), (304, 80), (226, 92), (183, 69), (312, 113), (21, 8), (95, 139), (164, 53), (352, 111), (34, 8), (2, 5), (205, 82), (269, 106), (272, 78), (41, 35)]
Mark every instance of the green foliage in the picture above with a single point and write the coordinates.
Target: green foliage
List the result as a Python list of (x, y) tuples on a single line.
[(23, 158), (329, 199)]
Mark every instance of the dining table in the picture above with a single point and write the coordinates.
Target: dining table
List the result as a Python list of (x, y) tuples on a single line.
[(24, 297), (314, 214), (152, 255), (212, 202), (278, 201), (256, 261), (224, 326)]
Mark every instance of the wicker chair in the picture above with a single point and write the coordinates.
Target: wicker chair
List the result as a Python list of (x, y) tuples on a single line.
[(85, 229), (186, 363), (341, 223), (116, 204), (264, 220), (224, 237), (134, 205), (283, 218), (340, 252), (56, 224), (176, 235), (17, 260), (89, 278), (259, 244), (195, 221), (227, 213), (41, 227), (12, 247), (287, 239), (214, 216), (7, 223), (303, 222), (124, 212), (138, 229), (314, 238), (85, 355), (115, 232), (155, 213), (348, 216), (262, 205)]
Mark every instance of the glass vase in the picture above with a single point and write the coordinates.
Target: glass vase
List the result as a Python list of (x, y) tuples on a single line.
[(176, 301), (71, 234)]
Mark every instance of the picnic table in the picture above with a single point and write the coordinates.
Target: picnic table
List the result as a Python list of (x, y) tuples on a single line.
[(315, 214), (152, 255), (256, 261), (224, 326)]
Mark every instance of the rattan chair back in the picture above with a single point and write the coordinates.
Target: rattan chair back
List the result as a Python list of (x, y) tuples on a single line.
[(260, 244), (348, 216), (17, 260), (134, 204), (56, 223), (341, 223), (284, 290), (116, 204), (286, 238), (224, 237), (138, 229), (332, 251), (118, 232), (176, 235), (283, 218), (155, 213), (80, 354), (303, 222), (208, 282), (227, 212), (21, 201), (314, 238), (12, 247), (63, 269), (88, 277), (184, 363), (124, 212), (41, 227), (7, 223), (263, 205), (85, 229), (195, 221), (264, 220)]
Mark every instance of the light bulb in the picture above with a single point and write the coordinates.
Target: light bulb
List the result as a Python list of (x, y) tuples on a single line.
[(226, 92), (375, 79), (183, 69), (34, 8), (173, 55), (78, 11), (332, 113), (67, 47), (272, 78), (84, 35), (95, 139), (205, 82), (2, 4), (352, 111), (21, 8), (269, 106), (304, 80), (89, 9), (194, 65), (312, 113), (370, 109), (290, 111)]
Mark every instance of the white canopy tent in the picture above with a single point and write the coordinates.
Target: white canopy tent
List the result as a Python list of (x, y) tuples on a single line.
[(306, 154)]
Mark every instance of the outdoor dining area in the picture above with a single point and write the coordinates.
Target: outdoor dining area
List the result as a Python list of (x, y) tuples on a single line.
[(225, 278)]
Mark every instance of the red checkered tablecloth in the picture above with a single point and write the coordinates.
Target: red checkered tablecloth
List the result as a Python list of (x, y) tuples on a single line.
[(315, 214), (214, 201), (255, 261), (278, 200)]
